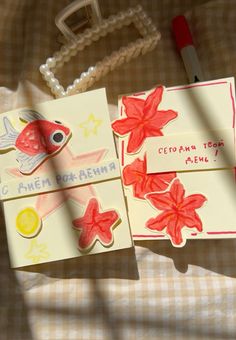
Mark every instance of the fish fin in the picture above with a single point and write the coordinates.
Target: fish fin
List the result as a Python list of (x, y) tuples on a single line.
[(30, 115), (29, 163), (8, 140)]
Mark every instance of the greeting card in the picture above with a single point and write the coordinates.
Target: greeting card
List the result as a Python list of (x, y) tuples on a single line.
[(60, 181), (177, 153)]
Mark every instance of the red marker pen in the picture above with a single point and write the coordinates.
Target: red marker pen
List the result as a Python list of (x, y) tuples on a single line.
[(186, 48)]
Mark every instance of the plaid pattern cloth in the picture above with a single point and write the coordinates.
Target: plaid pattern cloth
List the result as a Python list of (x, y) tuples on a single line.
[(154, 291)]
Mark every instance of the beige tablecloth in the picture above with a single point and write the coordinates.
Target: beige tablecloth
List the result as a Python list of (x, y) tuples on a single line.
[(153, 291)]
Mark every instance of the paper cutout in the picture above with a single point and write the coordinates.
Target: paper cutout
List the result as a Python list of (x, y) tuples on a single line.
[(38, 140), (144, 119), (90, 126), (178, 211), (28, 223), (135, 174), (96, 226), (58, 180), (37, 252), (195, 151)]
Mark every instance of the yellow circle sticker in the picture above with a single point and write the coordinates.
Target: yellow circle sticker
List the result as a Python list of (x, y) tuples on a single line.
[(28, 223)]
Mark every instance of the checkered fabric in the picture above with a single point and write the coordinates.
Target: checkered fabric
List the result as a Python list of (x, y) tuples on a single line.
[(153, 291)]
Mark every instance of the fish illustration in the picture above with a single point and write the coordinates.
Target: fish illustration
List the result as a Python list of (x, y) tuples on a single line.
[(39, 139)]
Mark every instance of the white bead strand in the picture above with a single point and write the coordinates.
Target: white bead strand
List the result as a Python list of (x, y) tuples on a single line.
[(136, 15)]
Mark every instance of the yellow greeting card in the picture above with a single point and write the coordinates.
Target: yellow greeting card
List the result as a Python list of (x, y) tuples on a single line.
[(177, 153), (60, 181)]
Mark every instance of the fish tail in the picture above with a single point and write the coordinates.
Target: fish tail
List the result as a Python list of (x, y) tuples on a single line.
[(8, 140)]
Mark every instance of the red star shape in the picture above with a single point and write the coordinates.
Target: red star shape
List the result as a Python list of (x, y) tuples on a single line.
[(135, 174), (95, 225), (178, 211), (143, 119)]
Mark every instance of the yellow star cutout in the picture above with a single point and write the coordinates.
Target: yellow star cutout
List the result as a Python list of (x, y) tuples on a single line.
[(90, 126), (37, 252)]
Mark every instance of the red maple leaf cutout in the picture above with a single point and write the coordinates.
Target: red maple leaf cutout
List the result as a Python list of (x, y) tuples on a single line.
[(143, 119), (135, 174), (178, 211), (95, 225)]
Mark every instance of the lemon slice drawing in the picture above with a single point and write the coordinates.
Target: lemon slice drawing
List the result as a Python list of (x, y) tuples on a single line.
[(28, 223)]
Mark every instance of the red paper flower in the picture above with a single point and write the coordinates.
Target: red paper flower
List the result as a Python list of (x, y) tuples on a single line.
[(178, 211), (135, 174), (95, 225), (143, 119)]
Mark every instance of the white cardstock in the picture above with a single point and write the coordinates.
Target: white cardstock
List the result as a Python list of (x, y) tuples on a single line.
[(191, 151)]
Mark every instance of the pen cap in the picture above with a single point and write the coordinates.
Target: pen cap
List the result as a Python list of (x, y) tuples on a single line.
[(181, 32)]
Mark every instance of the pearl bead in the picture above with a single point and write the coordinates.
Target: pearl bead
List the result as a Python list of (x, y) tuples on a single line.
[(70, 88), (76, 82), (138, 9), (62, 94), (91, 69), (51, 62), (43, 68), (53, 81), (87, 34), (58, 56), (57, 89), (72, 45), (48, 75), (95, 33), (130, 12), (64, 50), (83, 75)]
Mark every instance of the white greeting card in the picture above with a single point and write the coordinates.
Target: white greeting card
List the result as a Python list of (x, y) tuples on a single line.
[(177, 152), (60, 181)]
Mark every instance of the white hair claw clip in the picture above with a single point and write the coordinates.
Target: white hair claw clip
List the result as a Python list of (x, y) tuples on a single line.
[(141, 21)]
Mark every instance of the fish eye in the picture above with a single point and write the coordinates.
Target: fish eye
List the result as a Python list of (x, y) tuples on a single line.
[(57, 122), (57, 137)]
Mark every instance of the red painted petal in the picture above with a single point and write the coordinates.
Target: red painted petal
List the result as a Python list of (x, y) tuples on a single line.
[(159, 182), (160, 222), (161, 201), (139, 189), (136, 140), (134, 172), (86, 239), (192, 221), (193, 202), (152, 102), (152, 131), (106, 237), (133, 107), (161, 118), (124, 126), (106, 219), (174, 230), (89, 214), (177, 191)]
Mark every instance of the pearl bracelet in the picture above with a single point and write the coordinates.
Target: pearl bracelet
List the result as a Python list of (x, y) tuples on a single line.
[(143, 24)]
